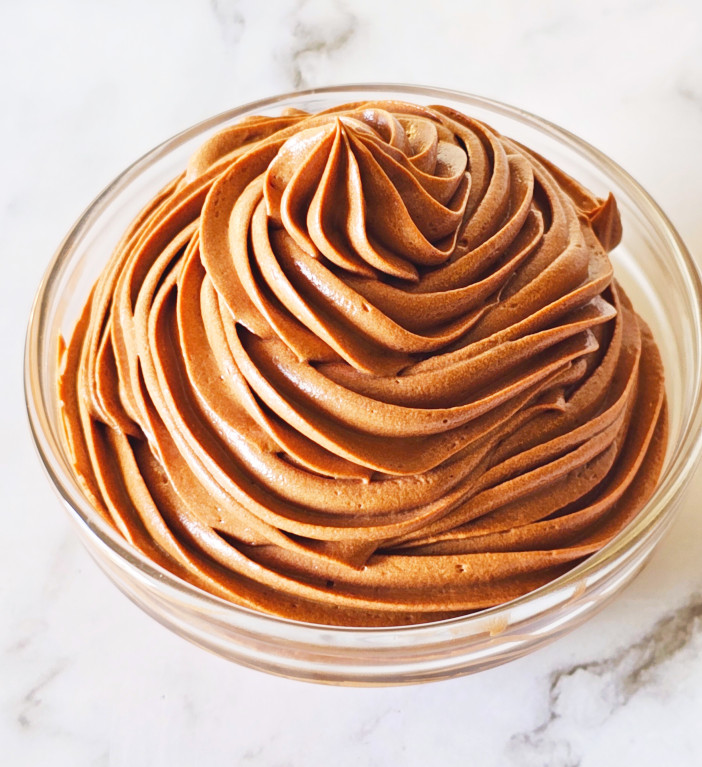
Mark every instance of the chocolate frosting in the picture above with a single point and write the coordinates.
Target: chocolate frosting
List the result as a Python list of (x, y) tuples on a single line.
[(366, 367)]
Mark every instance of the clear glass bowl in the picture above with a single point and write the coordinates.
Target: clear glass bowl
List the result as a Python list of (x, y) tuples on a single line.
[(655, 269)]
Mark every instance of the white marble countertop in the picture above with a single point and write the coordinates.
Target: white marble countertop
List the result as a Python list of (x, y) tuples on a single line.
[(88, 679)]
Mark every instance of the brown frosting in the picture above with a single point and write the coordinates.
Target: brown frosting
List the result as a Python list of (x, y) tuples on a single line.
[(366, 367)]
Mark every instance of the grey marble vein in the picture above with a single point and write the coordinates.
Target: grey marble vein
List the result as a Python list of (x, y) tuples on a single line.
[(103, 760), (190, 710), (554, 25), (370, 725), (61, 566), (230, 19), (587, 694), (25, 632), (19, 646), (252, 754), (32, 700), (690, 94), (318, 36)]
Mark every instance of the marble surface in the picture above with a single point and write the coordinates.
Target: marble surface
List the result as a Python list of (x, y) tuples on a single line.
[(85, 677)]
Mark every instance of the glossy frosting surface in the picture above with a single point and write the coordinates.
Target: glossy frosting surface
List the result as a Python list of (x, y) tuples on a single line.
[(366, 367)]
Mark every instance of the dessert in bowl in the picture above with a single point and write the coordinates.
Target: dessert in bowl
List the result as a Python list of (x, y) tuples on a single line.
[(359, 362)]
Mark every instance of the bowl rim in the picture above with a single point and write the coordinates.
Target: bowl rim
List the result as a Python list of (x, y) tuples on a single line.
[(645, 525)]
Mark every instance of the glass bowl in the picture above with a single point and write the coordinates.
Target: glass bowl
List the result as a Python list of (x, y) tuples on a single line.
[(655, 269)]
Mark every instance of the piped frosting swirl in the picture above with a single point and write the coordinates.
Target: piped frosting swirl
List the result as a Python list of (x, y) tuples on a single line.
[(366, 367)]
